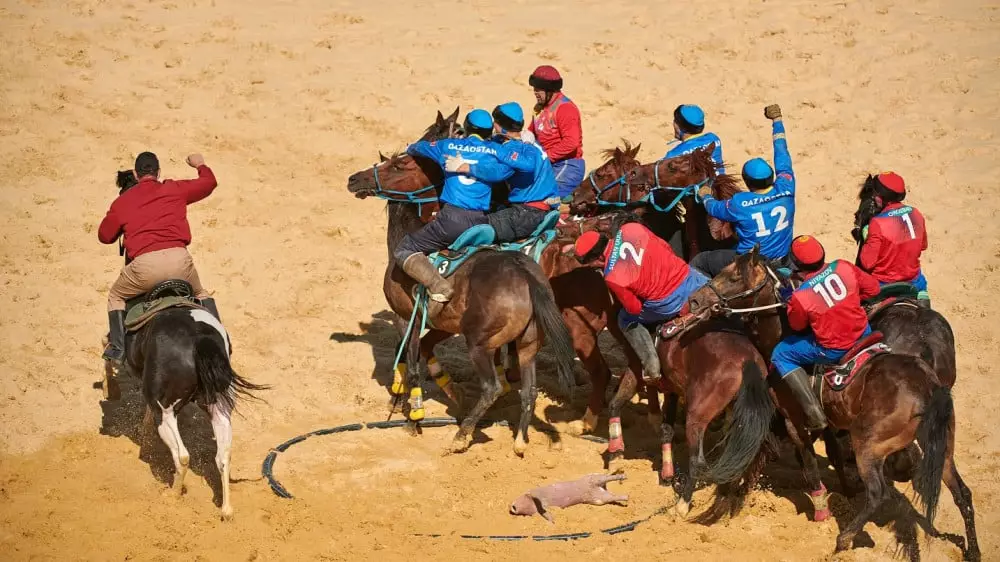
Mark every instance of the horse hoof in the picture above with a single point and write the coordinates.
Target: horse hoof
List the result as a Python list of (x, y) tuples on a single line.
[(458, 445), (576, 428), (520, 447), (227, 513), (682, 508)]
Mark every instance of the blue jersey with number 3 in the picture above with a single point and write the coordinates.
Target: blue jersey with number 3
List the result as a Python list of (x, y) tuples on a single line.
[(763, 217)]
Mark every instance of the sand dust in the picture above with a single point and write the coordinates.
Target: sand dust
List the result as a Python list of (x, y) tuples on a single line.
[(286, 99)]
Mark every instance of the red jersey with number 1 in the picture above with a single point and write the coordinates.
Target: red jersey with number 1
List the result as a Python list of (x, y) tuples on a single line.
[(829, 302), (896, 238), (641, 267)]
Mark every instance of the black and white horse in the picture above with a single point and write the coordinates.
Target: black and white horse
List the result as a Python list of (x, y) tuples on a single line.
[(182, 355)]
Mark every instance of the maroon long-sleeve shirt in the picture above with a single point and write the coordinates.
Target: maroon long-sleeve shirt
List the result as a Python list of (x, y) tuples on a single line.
[(153, 215)]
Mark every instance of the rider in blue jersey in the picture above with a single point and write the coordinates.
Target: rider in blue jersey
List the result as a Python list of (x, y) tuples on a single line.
[(765, 214), (524, 166), (690, 135), (464, 203)]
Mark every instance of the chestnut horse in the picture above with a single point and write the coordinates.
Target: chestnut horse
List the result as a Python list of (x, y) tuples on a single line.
[(894, 399), (712, 366)]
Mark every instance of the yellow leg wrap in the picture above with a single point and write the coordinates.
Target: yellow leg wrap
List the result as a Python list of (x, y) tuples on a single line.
[(399, 380), (502, 377), (416, 404), (443, 380)]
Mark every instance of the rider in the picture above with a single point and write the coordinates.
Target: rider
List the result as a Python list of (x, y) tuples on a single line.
[(650, 281), (527, 171), (152, 216), (690, 135), (763, 215), (556, 125), (894, 238), (828, 302), (464, 200)]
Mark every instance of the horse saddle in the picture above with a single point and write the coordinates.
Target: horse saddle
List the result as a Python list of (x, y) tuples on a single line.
[(892, 294), (483, 237), (166, 294), (839, 376)]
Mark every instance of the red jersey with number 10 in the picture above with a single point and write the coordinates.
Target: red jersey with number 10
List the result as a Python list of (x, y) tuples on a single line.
[(829, 302), (641, 267), (896, 237)]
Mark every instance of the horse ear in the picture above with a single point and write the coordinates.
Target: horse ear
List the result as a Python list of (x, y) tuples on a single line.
[(440, 118), (381, 157), (454, 115), (635, 150), (755, 253)]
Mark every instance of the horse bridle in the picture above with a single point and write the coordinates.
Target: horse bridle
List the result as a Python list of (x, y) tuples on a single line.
[(770, 278), (648, 198), (413, 197)]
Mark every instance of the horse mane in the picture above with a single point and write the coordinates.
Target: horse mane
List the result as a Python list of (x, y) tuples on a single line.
[(724, 186), (622, 156)]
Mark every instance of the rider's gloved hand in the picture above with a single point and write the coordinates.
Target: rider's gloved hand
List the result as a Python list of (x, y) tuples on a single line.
[(772, 111)]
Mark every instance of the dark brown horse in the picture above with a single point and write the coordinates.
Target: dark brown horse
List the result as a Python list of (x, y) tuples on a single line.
[(512, 302), (893, 400), (711, 367)]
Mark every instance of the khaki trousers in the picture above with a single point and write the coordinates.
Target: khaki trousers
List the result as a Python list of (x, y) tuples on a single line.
[(145, 271)]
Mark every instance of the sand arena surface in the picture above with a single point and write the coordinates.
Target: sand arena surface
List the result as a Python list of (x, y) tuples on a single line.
[(285, 100)]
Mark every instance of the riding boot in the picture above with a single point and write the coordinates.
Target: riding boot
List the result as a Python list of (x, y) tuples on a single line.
[(209, 303), (115, 350), (798, 381), (642, 342), (419, 267)]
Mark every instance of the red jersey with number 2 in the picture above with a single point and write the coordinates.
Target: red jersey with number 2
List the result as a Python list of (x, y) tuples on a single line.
[(829, 302), (641, 267), (896, 238)]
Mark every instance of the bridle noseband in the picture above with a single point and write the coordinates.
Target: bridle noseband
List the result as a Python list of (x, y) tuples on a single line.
[(771, 278)]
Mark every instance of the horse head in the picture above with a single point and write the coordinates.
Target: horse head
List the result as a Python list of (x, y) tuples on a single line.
[(603, 186), (403, 178), (669, 178), (868, 207), (739, 284)]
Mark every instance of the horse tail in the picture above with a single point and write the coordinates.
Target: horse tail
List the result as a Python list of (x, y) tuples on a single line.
[(752, 413), (932, 435), (216, 378), (546, 313)]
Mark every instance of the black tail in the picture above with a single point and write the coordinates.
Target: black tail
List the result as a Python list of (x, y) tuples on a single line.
[(932, 435), (216, 378), (550, 320), (752, 412)]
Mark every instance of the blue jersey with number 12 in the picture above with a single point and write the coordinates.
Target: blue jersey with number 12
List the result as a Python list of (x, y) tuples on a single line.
[(763, 217)]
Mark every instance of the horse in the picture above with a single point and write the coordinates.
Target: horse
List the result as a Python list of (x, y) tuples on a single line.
[(583, 299), (653, 190), (512, 302), (182, 355), (711, 366), (893, 399)]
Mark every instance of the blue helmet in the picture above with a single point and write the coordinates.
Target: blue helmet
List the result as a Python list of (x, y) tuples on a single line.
[(479, 122), (510, 116), (757, 174), (690, 117)]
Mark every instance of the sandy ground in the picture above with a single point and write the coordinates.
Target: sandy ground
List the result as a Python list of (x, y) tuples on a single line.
[(286, 99)]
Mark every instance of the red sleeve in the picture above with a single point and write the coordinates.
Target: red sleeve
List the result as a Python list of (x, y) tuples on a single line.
[(798, 318), (869, 285), (531, 127), (870, 248), (570, 133), (198, 189), (111, 227), (629, 301)]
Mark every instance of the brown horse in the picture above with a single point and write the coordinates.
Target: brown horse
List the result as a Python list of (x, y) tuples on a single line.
[(580, 293), (512, 302), (711, 366), (893, 400)]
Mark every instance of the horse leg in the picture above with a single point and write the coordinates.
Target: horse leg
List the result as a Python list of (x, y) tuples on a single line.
[(870, 470), (963, 499), (616, 443), (667, 440), (684, 482), (810, 471), (171, 436), (221, 413), (441, 377), (836, 456), (585, 344), (414, 381), (482, 362), (529, 394)]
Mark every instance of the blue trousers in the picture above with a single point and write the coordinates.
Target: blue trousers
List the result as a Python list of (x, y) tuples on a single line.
[(920, 282), (802, 350), (662, 310), (569, 174)]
